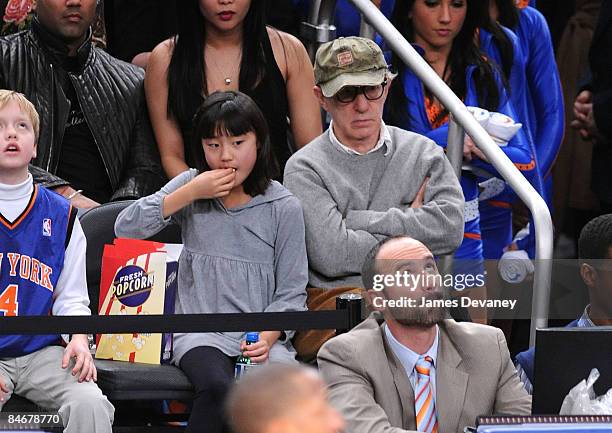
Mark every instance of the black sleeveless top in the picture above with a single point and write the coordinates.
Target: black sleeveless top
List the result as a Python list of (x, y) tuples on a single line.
[(270, 95)]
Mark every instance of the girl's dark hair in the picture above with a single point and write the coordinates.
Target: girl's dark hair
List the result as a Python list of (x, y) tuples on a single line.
[(508, 13), (186, 72), (502, 41), (464, 52), (232, 114)]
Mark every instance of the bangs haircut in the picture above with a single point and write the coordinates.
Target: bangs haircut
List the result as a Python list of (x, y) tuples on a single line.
[(8, 96), (232, 114)]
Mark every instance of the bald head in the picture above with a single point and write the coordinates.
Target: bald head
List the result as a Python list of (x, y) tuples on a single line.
[(402, 282), (281, 398), (391, 248), (403, 248)]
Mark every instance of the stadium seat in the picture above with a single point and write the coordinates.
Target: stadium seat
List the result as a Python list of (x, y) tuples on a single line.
[(123, 380)]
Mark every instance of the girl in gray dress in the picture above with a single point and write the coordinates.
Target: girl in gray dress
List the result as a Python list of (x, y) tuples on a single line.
[(244, 247)]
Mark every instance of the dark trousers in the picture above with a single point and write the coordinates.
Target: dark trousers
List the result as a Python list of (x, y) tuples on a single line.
[(211, 372)]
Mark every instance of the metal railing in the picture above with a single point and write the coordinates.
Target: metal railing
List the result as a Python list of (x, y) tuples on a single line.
[(320, 26), (322, 16)]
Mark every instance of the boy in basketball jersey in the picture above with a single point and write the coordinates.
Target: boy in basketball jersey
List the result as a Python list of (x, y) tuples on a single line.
[(42, 272)]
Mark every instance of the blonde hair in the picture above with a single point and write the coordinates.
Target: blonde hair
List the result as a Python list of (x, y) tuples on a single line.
[(7, 96)]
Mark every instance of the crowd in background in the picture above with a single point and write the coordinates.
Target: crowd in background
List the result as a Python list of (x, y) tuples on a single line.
[(130, 30)]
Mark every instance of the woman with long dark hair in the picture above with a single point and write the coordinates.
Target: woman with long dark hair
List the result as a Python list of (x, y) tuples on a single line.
[(502, 46), (544, 95), (225, 45), (444, 32)]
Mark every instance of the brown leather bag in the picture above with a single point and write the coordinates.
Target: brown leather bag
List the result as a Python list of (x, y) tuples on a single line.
[(307, 343)]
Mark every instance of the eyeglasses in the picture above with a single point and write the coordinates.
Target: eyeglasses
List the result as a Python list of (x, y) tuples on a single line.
[(349, 93)]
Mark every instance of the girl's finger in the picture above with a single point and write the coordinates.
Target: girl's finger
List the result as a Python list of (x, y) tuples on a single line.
[(255, 352), (222, 172), (224, 190), (255, 346), (256, 349), (227, 185), (229, 177), (260, 359)]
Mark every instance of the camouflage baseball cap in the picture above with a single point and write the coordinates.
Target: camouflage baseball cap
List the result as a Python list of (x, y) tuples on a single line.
[(351, 61)]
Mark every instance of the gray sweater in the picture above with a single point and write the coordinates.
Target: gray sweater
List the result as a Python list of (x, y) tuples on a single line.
[(351, 202), (251, 258)]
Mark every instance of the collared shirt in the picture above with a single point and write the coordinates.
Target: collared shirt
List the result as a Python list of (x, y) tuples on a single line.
[(409, 358), (384, 138)]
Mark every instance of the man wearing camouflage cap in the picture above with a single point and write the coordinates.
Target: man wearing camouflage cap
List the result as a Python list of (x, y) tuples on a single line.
[(362, 181)]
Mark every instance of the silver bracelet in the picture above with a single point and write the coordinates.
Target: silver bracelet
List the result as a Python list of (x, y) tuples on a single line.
[(74, 194)]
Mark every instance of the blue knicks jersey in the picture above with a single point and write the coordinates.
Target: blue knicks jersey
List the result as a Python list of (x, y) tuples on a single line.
[(32, 250)]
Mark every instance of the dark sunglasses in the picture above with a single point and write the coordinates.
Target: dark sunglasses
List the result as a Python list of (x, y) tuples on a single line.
[(349, 93)]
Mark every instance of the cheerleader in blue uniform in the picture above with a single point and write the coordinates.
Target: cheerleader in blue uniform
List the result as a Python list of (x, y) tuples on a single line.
[(443, 31), (502, 46), (545, 116), (544, 96)]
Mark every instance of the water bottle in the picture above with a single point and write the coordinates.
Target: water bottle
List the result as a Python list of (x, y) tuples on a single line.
[(244, 363)]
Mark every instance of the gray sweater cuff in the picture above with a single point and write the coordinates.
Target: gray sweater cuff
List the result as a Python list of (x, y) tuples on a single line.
[(160, 208)]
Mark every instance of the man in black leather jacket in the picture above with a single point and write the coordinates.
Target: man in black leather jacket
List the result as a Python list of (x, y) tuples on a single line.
[(95, 132)]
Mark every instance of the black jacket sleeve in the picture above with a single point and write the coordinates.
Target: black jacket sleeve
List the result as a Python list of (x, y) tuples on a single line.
[(46, 179), (142, 175)]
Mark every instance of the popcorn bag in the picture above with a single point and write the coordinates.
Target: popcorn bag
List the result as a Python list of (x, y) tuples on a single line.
[(138, 277)]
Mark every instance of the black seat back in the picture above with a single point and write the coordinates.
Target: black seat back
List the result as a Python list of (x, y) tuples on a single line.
[(99, 226)]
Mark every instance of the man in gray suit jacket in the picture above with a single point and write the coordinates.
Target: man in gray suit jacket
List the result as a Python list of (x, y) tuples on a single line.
[(375, 370)]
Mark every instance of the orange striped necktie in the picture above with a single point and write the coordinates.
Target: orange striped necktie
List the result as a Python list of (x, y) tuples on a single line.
[(424, 405)]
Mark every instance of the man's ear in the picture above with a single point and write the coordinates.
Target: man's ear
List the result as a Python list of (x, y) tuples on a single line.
[(319, 95), (373, 298), (390, 79), (588, 274)]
